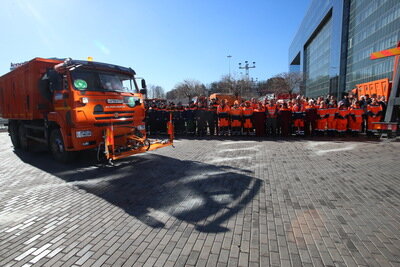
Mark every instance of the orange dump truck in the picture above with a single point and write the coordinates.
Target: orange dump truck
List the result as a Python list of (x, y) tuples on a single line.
[(229, 97), (72, 105)]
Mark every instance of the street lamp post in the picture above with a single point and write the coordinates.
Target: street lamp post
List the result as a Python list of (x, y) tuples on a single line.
[(229, 59)]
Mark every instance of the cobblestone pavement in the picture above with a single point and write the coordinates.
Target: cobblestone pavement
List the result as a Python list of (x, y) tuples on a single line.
[(205, 203)]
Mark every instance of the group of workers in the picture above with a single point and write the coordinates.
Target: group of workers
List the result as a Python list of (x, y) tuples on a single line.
[(300, 116)]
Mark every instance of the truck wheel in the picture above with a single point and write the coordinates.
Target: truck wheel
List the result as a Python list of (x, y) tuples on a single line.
[(57, 147), (13, 132), (23, 140)]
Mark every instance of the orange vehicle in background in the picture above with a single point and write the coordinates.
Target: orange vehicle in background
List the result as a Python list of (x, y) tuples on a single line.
[(73, 105), (229, 97), (378, 87)]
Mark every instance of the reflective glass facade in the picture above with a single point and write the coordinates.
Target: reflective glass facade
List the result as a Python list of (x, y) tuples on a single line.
[(317, 62), (373, 26), (347, 32), (320, 13)]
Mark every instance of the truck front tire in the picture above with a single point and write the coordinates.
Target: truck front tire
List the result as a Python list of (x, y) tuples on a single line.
[(57, 147)]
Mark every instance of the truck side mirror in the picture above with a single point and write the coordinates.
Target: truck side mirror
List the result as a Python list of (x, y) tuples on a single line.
[(144, 84), (143, 91), (55, 80), (44, 87)]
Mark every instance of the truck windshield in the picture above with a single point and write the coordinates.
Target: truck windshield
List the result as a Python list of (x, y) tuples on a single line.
[(94, 80)]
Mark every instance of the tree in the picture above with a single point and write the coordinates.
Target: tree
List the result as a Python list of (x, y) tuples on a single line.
[(274, 85), (265, 87), (156, 91), (245, 88), (291, 81), (231, 85), (226, 85), (172, 95), (187, 89)]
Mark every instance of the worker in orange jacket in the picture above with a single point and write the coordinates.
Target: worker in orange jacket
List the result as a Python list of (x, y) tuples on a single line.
[(272, 115), (248, 119), (285, 119), (259, 119), (322, 118), (298, 116), (310, 118), (254, 103), (374, 114), (223, 117), (212, 117), (356, 118), (236, 115), (332, 109), (341, 116)]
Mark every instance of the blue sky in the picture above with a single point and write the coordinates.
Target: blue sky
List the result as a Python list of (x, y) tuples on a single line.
[(163, 41)]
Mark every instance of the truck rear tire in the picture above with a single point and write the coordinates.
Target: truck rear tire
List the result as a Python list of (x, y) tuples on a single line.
[(13, 132), (23, 140), (57, 147)]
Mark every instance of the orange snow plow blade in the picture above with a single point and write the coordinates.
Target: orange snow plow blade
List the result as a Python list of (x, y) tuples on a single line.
[(120, 155), (122, 146)]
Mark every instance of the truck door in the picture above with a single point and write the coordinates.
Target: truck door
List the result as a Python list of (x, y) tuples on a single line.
[(61, 95)]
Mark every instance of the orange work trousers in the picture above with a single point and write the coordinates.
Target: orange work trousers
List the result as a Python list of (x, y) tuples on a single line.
[(331, 124), (223, 122), (236, 123), (247, 124), (298, 123), (321, 124), (370, 123), (355, 125), (341, 125)]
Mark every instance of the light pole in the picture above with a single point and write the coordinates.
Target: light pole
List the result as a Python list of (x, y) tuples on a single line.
[(229, 59), (247, 67), (254, 83)]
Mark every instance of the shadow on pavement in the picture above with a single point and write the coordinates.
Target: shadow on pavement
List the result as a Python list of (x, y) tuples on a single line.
[(198, 193)]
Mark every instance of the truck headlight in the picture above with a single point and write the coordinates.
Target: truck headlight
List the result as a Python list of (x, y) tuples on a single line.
[(141, 127), (81, 134)]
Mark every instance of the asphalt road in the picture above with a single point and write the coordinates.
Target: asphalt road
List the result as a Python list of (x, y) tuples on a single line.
[(235, 202)]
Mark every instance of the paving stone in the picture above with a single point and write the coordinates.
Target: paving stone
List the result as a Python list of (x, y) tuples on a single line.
[(208, 202)]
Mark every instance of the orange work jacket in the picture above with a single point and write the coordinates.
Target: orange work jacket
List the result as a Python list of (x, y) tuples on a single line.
[(272, 111)]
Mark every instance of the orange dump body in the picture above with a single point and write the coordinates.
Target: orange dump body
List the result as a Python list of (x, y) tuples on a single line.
[(20, 97), (379, 88)]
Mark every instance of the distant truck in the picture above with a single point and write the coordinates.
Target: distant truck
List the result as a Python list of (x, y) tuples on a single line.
[(73, 105), (229, 97), (378, 88)]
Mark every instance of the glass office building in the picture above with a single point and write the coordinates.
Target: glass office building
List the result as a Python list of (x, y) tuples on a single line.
[(334, 42), (317, 62)]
